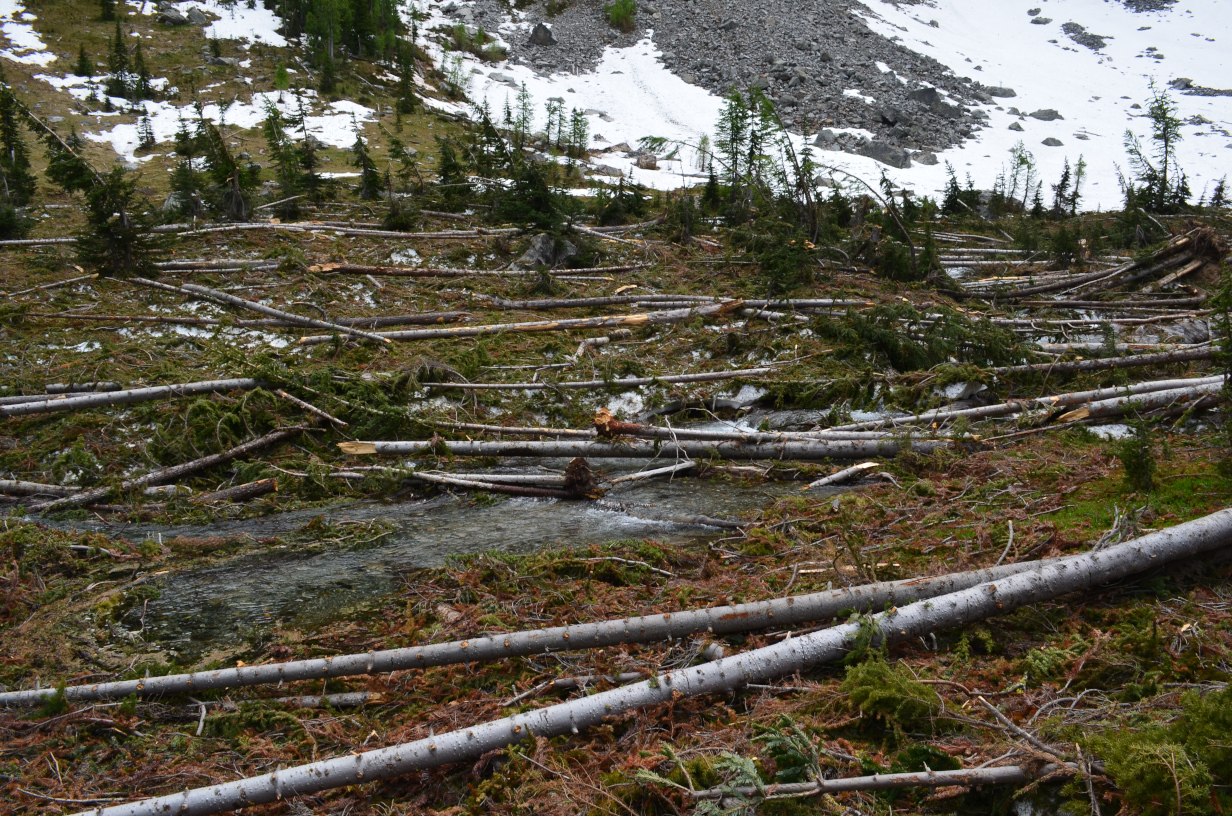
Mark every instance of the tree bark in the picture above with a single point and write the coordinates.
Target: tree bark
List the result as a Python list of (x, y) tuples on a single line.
[(1036, 403), (427, 319), (644, 319), (842, 476), (793, 450), (193, 290), (170, 474), (243, 492), (726, 674), (448, 272), (796, 610), (1134, 361), (132, 395), (1005, 775), (631, 382), (497, 487)]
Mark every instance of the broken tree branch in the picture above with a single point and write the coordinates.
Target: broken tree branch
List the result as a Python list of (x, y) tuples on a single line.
[(132, 395)]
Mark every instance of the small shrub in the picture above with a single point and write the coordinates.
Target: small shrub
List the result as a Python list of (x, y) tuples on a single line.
[(620, 14), (890, 693), (1137, 455)]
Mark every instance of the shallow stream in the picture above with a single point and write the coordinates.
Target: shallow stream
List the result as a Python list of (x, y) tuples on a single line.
[(220, 607)]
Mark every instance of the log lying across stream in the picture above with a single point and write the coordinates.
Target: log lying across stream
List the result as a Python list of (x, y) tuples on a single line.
[(791, 655), (790, 450)]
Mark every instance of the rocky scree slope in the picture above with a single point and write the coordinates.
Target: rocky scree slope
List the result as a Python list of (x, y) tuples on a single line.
[(821, 64)]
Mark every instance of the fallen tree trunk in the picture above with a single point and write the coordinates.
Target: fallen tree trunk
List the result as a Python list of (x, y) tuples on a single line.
[(1150, 401), (1155, 303), (52, 285), (449, 272), (631, 382), (726, 674), (174, 472), (612, 321), (82, 388), (793, 450), (842, 476), (193, 290), (1005, 775), (243, 492), (1135, 361), (426, 319), (1012, 407), (497, 487), (132, 395), (670, 470), (16, 487), (791, 611)]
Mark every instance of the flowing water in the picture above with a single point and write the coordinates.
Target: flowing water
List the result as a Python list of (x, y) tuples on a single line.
[(222, 606)]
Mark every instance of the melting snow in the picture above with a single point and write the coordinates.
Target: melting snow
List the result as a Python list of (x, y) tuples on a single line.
[(27, 46), (236, 22)]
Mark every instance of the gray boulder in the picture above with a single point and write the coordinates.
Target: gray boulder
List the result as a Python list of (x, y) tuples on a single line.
[(197, 17), (232, 61), (926, 158), (1046, 115), (1004, 93), (1041, 20), (925, 96), (647, 161), (825, 138), (542, 35), (1052, 141), (886, 153), (545, 250), (172, 17), (1016, 126), (1181, 83), (607, 170)]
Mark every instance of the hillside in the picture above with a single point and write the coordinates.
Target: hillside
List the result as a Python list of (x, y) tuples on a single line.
[(365, 449)]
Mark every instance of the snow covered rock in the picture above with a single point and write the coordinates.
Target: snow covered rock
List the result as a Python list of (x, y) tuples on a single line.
[(197, 17), (542, 35), (172, 16), (1046, 115), (886, 153)]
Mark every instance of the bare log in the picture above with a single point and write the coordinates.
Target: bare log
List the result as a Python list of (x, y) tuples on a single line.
[(1150, 401), (425, 318), (193, 290), (170, 474), (310, 408), (630, 382), (613, 321), (497, 487), (52, 285), (452, 272), (793, 450), (726, 674), (77, 388), (1134, 361), (516, 430), (791, 611), (650, 474), (1005, 775), (132, 395), (243, 492), (16, 487), (842, 476), (1012, 407)]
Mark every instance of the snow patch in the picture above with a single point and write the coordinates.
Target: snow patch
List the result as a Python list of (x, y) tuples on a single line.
[(27, 47)]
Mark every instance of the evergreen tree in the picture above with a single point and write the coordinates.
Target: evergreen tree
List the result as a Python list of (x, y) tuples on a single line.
[(369, 188), (117, 65), (283, 157), (85, 66), (145, 131), (405, 156), (107, 10), (141, 76), (1219, 197), (117, 240), (64, 163), (1163, 185), (406, 79), (232, 182), (329, 79), (732, 137), (579, 134), (313, 186), (711, 197), (18, 178)]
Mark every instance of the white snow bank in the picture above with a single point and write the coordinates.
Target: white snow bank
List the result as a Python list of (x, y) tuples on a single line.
[(27, 47), (237, 22)]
